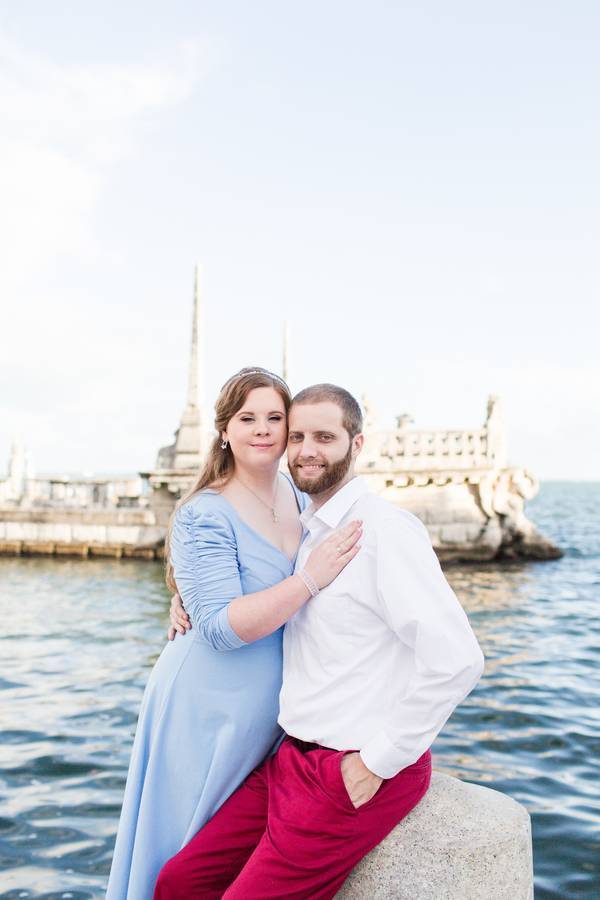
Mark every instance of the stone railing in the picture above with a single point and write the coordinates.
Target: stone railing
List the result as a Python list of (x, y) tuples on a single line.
[(409, 450), (405, 449), (462, 842)]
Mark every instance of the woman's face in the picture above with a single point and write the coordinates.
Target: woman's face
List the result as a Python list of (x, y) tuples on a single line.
[(257, 433)]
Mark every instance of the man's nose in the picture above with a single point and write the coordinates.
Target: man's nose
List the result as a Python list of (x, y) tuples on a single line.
[(308, 449)]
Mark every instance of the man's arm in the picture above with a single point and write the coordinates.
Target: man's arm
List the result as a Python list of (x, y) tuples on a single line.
[(180, 621), (420, 607)]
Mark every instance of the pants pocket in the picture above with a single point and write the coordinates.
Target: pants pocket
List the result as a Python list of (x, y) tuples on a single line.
[(343, 790)]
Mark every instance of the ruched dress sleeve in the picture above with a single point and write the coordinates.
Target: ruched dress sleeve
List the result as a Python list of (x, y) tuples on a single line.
[(205, 564)]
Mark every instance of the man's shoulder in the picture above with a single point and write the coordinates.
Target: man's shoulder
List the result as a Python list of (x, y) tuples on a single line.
[(378, 513)]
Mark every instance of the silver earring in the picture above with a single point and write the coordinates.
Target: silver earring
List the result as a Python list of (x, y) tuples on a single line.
[(224, 445)]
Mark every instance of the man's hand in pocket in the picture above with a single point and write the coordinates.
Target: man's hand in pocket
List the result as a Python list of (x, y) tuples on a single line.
[(360, 782)]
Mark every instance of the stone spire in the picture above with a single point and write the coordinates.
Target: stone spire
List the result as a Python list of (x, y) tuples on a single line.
[(189, 442), (285, 368), (17, 469), (495, 427), (194, 375)]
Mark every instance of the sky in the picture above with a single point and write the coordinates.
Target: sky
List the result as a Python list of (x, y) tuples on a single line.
[(413, 187)]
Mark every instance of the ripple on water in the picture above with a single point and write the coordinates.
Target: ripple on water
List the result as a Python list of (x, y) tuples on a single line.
[(52, 767), (48, 895)]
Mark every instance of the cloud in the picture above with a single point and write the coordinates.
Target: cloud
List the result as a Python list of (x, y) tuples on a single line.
[(65, 130), (52, 103), (63, 127)]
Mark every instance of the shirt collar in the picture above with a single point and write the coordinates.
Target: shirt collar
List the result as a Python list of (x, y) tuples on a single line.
[(332, 512)]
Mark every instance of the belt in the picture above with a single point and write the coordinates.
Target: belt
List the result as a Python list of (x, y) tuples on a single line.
[(307, 746)]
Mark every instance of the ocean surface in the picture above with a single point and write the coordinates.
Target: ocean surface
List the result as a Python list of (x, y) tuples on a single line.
[(79, 637)]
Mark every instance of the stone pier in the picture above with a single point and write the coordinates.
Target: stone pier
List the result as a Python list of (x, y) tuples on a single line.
[(462, 842)]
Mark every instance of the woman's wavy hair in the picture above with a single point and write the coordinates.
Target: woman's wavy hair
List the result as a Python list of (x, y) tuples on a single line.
[(219, 464)]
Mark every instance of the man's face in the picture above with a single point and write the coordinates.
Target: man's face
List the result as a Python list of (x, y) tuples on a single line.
[(320, 451)]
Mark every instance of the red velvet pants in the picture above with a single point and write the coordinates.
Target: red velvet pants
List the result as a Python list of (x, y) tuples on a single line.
[(290, 831)]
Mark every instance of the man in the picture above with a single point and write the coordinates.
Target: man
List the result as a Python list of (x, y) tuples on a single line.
[(374, 664)]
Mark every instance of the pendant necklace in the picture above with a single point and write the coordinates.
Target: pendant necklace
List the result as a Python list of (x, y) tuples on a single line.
[(271, 509)]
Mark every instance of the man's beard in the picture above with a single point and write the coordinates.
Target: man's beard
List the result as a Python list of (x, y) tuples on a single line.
[(330, 476)]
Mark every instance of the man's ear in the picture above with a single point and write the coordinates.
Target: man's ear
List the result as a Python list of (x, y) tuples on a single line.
[(357, 444)]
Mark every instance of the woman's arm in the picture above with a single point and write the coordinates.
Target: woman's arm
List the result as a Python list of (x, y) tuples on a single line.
[(253, 616), (204, 556)]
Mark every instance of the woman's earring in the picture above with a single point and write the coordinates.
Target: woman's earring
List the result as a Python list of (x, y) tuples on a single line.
[(224, 445)]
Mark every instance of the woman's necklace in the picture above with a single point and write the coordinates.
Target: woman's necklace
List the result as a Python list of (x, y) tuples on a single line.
[(271, 509)]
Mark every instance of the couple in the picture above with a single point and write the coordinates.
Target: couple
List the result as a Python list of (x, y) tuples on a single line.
[(377, 652)]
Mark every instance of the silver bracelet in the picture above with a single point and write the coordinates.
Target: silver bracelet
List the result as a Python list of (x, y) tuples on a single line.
[(309, 582)]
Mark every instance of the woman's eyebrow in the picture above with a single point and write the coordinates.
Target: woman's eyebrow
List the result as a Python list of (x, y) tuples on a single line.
[(250, 412)]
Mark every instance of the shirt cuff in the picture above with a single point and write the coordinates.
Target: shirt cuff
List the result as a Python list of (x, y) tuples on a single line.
[(382, 758), (228, 637)]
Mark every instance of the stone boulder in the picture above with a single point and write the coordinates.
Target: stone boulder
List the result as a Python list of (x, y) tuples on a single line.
[(462, 842)]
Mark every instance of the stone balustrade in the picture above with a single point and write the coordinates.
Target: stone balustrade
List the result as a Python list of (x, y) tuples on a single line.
[(405, 449), (412, 450)]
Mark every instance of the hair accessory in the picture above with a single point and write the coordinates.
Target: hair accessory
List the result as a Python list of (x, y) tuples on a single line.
[(224, 445), (245, 372), (309, 582)]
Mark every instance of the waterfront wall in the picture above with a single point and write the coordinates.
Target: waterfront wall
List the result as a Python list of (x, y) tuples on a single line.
[(80, 532), (462, 842), (471, 515)]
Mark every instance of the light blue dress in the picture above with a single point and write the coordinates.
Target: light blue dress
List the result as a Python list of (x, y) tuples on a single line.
[(209, 713)]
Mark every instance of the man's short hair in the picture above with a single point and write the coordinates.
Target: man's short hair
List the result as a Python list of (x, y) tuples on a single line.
[(352, 419)]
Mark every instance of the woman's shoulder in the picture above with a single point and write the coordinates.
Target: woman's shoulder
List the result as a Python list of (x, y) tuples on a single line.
[(207, 507), (202, 526)]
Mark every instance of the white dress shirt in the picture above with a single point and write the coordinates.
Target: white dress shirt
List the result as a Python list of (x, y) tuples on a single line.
[(379, 659)]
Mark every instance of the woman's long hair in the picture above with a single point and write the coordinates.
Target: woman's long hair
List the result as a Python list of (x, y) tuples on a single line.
[(219, 464)]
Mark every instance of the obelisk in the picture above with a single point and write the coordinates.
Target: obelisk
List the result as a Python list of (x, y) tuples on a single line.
[(189, 443), (285, 368)]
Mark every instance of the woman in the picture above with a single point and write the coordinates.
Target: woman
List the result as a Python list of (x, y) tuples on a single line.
[(209, 713)]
